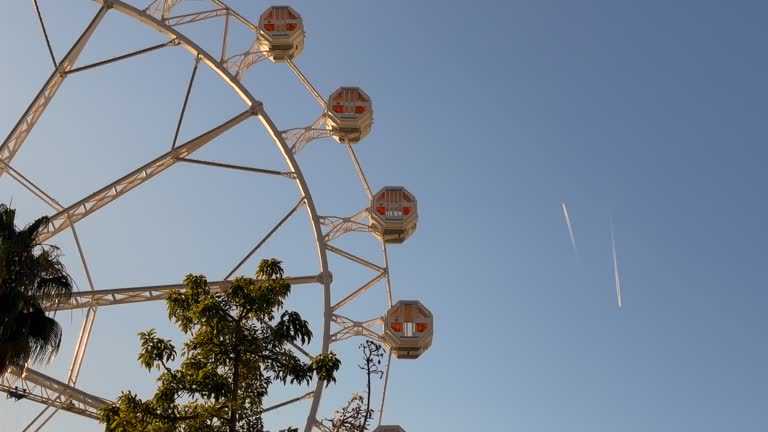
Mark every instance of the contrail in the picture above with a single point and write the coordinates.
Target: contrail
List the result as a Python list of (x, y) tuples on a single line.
[(615, 266), (570, 228)]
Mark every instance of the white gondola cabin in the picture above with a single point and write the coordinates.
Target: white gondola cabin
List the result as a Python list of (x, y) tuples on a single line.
[(281, 35), (350, 115), (408, 329), (393, 215), (389, 428)]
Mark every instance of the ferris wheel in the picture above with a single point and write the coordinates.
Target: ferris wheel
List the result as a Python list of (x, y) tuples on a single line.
[(405, 327)]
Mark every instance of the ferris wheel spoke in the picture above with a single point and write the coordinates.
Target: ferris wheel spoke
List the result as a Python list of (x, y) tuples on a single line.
[(90, 317), (72, 374), (121, 57), (386, 383), (116, 296), (298, 205), (30, 117), (186, 101), (288, 174), (32, 187), (45, 32), (115, 190), (355, 258), (40, 415), (359, 170), (37, 387), (359, 291), (288, 402), (386, 265), (307, 84)]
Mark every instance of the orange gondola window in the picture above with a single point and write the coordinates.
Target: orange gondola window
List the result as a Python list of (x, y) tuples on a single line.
[(339, 109), (421, 327), (396, 326), (269, 27)]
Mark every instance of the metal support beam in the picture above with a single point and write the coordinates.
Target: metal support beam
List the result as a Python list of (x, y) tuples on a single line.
[(120, 57), (88, 205), (288, 402), (45, 32), (30, 117), (307, 84), (116, 296), (355, 258), (359, 291), (290, 175), (359, 170), (38, 387), (299, 137), (266, 237)]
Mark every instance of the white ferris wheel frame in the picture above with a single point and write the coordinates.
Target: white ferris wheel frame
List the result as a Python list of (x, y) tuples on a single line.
[(58, 395)]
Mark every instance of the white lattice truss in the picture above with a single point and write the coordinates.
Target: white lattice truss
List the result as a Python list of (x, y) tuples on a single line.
[(64, 395)]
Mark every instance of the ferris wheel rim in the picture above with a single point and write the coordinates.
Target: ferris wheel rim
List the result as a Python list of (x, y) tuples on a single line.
[(158, 16), (257, 108), (289, 157)]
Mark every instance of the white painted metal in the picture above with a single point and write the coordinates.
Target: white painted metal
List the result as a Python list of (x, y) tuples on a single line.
[(340, 226), (359, 169), (299, 137), (266, 237), (35, 386), (33, 188), (30, 117), (307, 84), (386, 384), (288, 402), (356, 259), (117, 296), (88, 205), (351, 328), (376, 279)]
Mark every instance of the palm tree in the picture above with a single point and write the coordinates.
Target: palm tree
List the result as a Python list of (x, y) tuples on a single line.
[(32, 280)]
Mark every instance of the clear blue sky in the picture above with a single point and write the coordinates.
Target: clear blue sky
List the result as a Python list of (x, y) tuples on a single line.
[(651, 113)]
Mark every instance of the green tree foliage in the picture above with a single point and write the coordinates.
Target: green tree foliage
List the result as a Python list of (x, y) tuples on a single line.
[(237, 348), (32, 280)]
